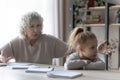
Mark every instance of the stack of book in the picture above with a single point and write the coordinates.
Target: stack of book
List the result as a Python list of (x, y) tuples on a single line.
[(93, 19)]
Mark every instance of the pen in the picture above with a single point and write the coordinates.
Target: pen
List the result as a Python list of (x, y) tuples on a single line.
[(51, 67)]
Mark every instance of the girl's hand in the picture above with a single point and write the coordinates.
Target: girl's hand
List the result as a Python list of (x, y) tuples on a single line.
[(89, 61), (106, 49)]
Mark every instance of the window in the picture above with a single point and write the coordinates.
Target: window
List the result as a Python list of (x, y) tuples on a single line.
[(12, 10)]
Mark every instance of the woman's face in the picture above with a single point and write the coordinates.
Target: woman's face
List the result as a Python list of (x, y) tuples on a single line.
[(33, 30), (89, 49)]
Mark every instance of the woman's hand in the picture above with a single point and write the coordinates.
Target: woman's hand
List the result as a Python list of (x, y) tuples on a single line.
[(106, 49), (4, 59)]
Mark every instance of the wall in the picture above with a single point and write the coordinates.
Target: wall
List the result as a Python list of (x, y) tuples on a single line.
[(67, 18)]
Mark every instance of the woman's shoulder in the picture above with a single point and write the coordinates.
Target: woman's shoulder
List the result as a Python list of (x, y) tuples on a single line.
[(51, 38), (16, 39), (48, 36), (13, 41)]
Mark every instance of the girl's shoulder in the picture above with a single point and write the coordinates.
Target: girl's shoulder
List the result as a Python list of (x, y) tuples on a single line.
[(73, 55)]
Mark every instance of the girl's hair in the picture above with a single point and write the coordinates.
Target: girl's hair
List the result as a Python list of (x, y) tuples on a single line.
[(79, 37), (27, 18)]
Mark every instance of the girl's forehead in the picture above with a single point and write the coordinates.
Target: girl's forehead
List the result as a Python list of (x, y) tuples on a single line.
[(91, 41)]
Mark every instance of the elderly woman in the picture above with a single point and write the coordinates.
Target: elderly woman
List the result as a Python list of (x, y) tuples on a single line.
[(33, 46)]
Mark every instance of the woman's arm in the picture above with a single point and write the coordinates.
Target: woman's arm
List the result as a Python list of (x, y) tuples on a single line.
[(60, 48), (3, 58), (6, 53)]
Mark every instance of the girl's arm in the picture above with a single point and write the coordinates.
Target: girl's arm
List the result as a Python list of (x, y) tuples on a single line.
[(96, 65), (74, 62)]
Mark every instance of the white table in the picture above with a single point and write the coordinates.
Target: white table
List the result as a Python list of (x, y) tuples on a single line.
[(7, 73)]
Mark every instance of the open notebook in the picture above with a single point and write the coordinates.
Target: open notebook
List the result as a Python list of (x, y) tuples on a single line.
[(63, 74)]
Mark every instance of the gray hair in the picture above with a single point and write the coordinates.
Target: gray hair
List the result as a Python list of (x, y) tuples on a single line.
[(27, 18)]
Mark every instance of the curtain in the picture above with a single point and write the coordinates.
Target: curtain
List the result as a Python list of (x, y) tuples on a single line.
[(60, 29)]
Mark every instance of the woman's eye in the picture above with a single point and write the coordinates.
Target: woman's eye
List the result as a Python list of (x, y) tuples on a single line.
[(38, 25), (92, 47), (31, 26)]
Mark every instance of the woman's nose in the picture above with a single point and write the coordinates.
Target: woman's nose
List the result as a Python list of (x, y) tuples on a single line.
[(36, 29)]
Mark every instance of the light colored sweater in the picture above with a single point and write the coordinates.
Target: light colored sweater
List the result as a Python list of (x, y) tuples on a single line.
[(45, 49), (73, 61)]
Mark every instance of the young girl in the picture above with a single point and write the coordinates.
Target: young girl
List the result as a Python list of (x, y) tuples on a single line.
[(85, 55)]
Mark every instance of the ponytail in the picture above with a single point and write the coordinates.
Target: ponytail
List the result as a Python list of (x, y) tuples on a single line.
[(72, 38)]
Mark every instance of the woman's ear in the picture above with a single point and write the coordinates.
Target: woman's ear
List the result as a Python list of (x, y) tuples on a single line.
[(24, 31)]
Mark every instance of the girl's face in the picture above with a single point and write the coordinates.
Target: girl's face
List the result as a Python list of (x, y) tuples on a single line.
[(33, 30), (89, 49)]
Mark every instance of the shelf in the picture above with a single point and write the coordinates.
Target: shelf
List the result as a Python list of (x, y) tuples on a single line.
[(95, 25), (98, 8), (93, 8), (115, 25), (102, 25), (114, 7)]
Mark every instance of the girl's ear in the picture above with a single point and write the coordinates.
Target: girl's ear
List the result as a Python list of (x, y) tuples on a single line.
[(79, 48)]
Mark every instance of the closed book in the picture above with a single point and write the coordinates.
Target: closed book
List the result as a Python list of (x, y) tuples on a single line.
[(3, 64), (18, 65), (38, 70), (63, 74)]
